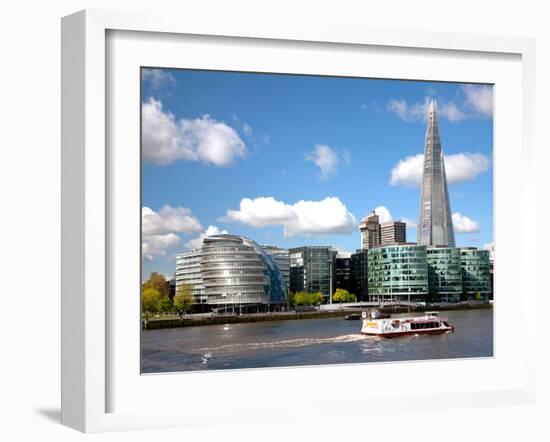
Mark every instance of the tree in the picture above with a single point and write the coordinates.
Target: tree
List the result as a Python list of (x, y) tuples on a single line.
[(303, 298), (183, 299), (165, 305), (292, 299), (316, 298), (157, 281), (149, 301), (342, 295)]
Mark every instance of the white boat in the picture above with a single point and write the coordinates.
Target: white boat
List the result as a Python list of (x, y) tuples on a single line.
[(429, 324)]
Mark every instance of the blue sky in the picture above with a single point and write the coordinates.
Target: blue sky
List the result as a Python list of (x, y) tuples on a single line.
[(294, 160)]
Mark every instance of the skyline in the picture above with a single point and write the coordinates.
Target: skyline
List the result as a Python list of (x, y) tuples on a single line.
[(299, 160)]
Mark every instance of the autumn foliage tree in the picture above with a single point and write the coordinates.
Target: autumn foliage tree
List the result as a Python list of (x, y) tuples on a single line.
[(157, 281)]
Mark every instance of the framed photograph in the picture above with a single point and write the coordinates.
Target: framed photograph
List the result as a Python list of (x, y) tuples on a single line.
[(254, 216)]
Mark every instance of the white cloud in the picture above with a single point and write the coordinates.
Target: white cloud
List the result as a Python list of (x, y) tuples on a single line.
[(166, 140), (343, 253), (411, 224), (196, 243), (160, 229), (458, 167), (384, 215), (408, 112), (463, 224), (473, 101), (156, 245), (325, 159), (329, 216), (247, 129), (158, 78), (168, 219), (480, 98)]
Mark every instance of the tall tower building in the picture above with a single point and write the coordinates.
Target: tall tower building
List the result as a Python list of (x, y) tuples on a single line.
[(435, 225), (370, 231)]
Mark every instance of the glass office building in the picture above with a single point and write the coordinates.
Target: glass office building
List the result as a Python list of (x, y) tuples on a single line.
[(188, 271), (312, 269), (236, 271), (444, 274), (435, 225), (476, 275), (282, 259), (397, 273), (359, 277)]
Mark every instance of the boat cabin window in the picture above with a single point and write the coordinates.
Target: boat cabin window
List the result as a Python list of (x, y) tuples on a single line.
[(423, 325)]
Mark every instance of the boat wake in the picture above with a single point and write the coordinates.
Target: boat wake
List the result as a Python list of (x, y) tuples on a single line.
[(287, 343)]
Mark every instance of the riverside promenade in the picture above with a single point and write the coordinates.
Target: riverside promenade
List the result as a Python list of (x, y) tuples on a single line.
[(324, 311)]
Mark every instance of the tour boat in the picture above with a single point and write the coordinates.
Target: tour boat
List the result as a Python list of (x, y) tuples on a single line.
[(429, 324)]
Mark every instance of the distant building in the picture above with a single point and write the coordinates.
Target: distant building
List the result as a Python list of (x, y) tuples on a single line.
[(393, 232), (359, 277), (397, 273), (476, 274), (444, 274), (312, 269), (370, 231), (282, 259), (343, 273), (188, 271)]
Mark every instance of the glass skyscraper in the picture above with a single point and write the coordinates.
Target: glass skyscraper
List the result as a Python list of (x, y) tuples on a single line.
[(435, 225)]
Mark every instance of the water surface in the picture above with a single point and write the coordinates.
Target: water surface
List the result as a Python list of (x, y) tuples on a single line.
[(307, 342)]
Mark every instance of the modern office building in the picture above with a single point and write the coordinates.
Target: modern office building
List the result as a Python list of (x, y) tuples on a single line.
[(343, 273), (282, 259), (370, 231), (238, 272), (397, 273), (476, 275), (312, 269), (393, 232), (444, 274), (188, 271), (359, 276), (435, 225)]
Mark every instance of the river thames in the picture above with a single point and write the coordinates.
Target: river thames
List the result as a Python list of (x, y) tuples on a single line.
[(307, 342)]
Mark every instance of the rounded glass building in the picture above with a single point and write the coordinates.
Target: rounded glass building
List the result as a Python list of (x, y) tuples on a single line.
[(238, 272)]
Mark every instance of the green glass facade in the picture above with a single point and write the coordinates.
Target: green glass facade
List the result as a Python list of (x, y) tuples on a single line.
[(397, 272), (476, 275), (444, 274)]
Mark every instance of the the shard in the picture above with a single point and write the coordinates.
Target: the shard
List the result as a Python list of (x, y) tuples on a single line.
[(435, 225)]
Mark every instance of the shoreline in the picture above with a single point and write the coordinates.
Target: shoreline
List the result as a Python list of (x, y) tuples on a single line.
[(161, 323)]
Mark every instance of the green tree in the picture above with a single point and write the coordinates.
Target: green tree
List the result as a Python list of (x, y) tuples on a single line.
[(316, 298), (478, 296), (165, 305), (183, 300), (292, 299), (342, 295), (149, 301), (157, 281), (303, 298)]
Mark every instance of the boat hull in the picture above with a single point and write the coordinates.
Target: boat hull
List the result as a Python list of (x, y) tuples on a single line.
[(389, 335)]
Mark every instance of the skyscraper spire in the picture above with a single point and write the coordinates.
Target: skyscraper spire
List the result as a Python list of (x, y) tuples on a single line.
[(435, 225)]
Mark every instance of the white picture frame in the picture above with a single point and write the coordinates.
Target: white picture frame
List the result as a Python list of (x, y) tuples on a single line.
[(87, 233)]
